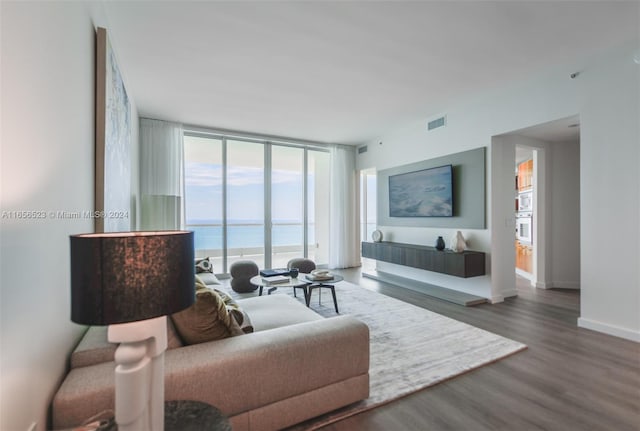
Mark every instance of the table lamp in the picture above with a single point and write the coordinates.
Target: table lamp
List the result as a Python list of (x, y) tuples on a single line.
[(131, 281)]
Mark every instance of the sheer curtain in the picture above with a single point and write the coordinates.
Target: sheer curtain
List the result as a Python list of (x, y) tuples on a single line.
[(343, 227), (161, 175)]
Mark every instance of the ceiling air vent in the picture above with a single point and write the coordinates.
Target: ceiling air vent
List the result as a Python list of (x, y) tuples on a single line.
[(362, 149), (438, 122)]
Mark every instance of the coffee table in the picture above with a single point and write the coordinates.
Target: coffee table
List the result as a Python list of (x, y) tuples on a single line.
[(317, 284), (179, 415), (295, 283), (304, 282)]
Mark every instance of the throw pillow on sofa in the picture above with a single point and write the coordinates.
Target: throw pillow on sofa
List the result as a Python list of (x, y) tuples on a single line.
[(204, 269), (238, 313), (206, 320), (204, 265), (208, 278), (200, 284)]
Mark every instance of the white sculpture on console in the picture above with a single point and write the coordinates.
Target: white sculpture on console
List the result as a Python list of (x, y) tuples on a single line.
[(458, 243)]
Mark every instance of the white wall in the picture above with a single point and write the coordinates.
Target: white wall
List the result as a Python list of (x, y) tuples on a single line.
[(47, 160), (610, 197), (472, 125), (502, 252), (563, 215), (606, 97)]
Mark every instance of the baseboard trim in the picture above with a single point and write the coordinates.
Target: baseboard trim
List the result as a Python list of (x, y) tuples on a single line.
[(524, 274), (496, 299), (566, 285), (548, 285), (557, 285), (605, 328), (509, 293)]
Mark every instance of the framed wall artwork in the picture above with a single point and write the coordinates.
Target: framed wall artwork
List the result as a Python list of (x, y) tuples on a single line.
[(113, 142), (423, 193), (409, 196)]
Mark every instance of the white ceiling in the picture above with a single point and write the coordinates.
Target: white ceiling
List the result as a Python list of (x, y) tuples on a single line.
[(562, 130), (559, 131), (344, 72)]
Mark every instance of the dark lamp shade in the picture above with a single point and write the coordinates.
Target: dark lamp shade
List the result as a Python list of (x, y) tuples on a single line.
[(128, 276)]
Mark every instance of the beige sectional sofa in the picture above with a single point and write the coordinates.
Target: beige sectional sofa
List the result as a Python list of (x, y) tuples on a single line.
[(295, 366)]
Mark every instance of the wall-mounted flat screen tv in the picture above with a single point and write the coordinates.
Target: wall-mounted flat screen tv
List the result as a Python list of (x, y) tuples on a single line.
[(424, 193)]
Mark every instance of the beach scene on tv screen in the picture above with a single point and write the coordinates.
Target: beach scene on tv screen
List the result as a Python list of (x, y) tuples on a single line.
[(424, 193)]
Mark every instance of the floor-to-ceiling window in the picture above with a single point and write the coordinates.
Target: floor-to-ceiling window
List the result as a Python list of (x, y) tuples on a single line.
[(245, 192), (259, 200), (204, 195), (287, 204)]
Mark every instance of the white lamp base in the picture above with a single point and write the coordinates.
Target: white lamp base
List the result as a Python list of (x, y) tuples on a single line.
[(140, 373)]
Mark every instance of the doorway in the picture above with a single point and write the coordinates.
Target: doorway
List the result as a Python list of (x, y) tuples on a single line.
[(524, 182), (553, 225)]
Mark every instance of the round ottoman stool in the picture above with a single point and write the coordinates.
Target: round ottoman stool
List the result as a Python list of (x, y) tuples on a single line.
[(302, 264), (241, 272)]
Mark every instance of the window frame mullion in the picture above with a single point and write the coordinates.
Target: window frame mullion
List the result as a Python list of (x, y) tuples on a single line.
[(305, 202), (225, 238), (268, 221)]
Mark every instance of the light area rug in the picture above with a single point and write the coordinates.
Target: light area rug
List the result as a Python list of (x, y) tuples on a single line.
[(411, 348)]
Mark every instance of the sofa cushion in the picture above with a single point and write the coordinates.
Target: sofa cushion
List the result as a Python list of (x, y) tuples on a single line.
[(206, 320), (204, 271), (233, 308), (173, 340), (208, 278), (94, 348), (274, 311), (242, 318)]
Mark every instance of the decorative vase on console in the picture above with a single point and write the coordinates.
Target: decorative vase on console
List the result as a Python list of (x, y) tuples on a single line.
[(440, 243), (458, 243)]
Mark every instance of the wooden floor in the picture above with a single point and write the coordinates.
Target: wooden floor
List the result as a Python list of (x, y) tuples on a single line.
[(568, 379)]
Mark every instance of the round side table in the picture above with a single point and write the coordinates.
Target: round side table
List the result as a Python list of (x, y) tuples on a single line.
[(193, 416), (182, 415)]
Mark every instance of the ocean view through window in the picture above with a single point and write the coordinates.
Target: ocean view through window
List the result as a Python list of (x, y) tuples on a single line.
[(247, 199)]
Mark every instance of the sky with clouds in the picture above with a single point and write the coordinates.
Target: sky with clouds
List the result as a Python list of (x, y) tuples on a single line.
[(203, 189)]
